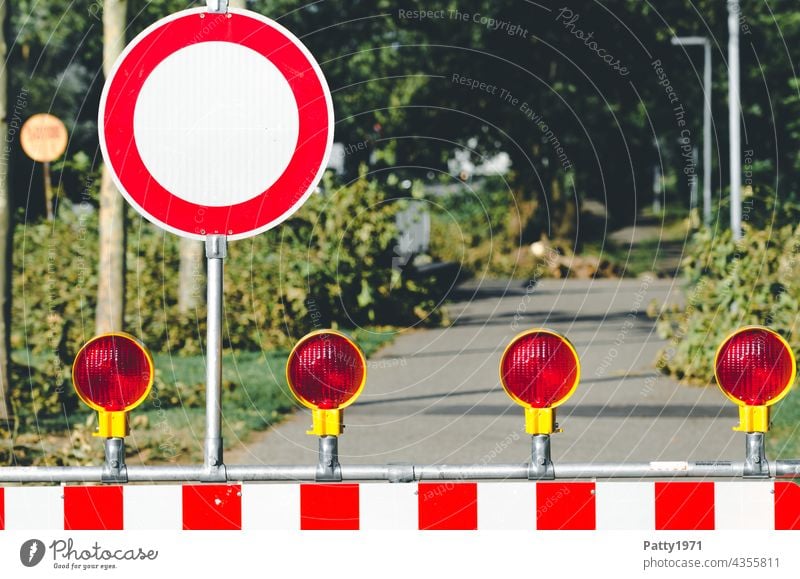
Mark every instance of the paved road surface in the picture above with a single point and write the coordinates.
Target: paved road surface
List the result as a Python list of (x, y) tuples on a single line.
[(434, 396)]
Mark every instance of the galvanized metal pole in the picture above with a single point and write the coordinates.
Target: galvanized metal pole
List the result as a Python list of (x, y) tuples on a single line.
[(216, 251), (328, 468), (541, 463), (693, 187), (755, 462), (706, 44), (115, 470), (707, 133), (734, 118), (787, 468), (401, 472)]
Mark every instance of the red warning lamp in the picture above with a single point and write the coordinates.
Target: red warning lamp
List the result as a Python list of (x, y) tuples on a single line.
[(540, 370), (113, 374), (326, 372), (755, 368)]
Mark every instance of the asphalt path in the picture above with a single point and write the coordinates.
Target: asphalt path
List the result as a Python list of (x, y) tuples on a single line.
[(434, 395)]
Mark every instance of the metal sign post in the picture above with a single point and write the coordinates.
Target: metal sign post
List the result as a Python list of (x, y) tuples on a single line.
[(707, 133), (216, 251), (706, 44), (44, 139), (734, 119)]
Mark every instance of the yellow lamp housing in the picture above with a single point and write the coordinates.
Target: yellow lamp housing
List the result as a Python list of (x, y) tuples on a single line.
[(541, 421), (755, 368), (113, 374), (326, 372), (540, 370)]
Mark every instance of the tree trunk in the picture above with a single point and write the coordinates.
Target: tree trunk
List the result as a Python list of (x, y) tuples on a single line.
[(190, 275), (111, 269), (5, 231), (565, 213)]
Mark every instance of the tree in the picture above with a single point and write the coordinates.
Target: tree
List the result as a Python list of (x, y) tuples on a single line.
[(111, 273), (5, 226), (190, 271)]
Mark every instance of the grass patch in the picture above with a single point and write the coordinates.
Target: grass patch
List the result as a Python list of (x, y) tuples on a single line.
[(783, 440), (170, 425), (646, 256)]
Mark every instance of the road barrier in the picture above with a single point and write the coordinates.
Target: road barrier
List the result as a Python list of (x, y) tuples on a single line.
[(673, 506), (326, 371)]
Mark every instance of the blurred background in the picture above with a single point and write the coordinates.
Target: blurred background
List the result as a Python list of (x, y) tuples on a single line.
[(476, 142)]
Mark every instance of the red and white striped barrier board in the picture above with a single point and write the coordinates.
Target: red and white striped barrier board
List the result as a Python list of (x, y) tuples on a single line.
[(443, 505)]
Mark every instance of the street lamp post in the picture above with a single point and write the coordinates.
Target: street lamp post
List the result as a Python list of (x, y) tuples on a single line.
[(703, 41), (734, 117)]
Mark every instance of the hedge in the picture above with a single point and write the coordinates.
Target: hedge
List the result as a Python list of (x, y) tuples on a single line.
[(333, 264)]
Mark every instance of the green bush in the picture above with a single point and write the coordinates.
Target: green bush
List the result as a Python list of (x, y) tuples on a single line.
[(480, 229), (330, 265), (731, 284)]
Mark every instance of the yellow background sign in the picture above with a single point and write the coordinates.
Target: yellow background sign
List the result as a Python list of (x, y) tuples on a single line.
[(44, 138)]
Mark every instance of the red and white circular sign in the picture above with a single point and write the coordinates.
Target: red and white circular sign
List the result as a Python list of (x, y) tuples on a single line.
[(216, 123)]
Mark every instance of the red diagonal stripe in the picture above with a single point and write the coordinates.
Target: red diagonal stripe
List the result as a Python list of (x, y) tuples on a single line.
[(684, 506), (787, 506), (212, 507), (93, 508), (329, 507), (565, 506), (448, 506), (2, 510)]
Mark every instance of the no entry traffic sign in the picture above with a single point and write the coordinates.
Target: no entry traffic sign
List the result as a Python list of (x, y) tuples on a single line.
[(216, 124)]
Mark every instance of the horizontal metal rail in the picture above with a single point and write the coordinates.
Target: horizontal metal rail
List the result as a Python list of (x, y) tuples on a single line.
[(787, 468), (397, 472), (328, 469)]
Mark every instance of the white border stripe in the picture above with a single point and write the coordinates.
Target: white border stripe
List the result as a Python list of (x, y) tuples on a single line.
[(157, 507), (744, 505), (388, 506), (271, 507), (34, 508), (507, 506), (625, 506)]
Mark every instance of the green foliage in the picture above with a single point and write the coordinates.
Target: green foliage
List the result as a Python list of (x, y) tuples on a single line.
[(784, 440), (731, 284), (470, 229), (40, 391), (332, 264), (54, 285)]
